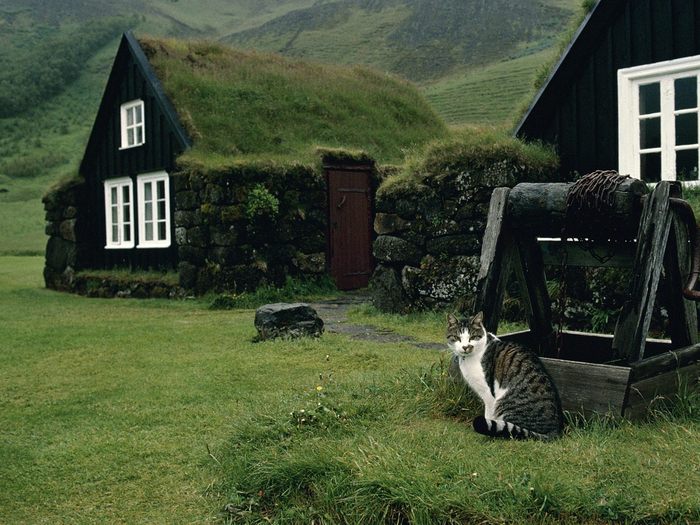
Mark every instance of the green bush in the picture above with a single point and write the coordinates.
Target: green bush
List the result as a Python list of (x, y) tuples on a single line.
[(261, 203), (29, 166)]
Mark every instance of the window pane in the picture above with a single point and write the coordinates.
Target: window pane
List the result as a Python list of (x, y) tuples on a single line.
[(149, 231), (650, 167), (147, 191), (127, 233), (126, 198), (137, 110), (161, 189), (139, 135), (115, 216), (130, 117), (161, 231), (686, 93), (161, 210), (650, 133), (148, 211), (686, 129), (125, 213), (113, 194), (115, 233), (687, 164), (130, 137), (649, 98)]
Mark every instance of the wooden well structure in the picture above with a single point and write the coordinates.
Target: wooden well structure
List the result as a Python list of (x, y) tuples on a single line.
[(533, 225)]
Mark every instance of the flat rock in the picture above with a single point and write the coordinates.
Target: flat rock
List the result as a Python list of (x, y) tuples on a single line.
[(287, 320)]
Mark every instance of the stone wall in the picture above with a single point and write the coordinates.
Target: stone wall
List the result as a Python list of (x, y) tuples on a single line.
[(63, 249), (245, 225), (430, 225)]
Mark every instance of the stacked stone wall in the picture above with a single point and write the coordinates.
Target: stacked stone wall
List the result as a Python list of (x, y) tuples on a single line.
[(429, 234), (240, 227), (63, 206)]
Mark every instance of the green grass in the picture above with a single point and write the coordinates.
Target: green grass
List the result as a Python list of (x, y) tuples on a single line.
[(127, 411), (22, 228), (238, 103), (490, 95)]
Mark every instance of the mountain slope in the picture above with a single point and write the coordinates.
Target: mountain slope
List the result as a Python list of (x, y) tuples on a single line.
[(417, 39)]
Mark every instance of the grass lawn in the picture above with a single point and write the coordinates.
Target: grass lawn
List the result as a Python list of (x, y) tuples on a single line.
[(127, 411)]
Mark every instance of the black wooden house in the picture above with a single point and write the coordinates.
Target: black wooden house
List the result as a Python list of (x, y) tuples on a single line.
[(130, 153), (625, 93)]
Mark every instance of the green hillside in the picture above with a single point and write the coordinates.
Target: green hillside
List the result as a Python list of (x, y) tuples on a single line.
[(473, 59)]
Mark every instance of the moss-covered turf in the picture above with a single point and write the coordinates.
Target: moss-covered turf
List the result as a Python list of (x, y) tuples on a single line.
[(125, 411), (246, 103), (469, 149)]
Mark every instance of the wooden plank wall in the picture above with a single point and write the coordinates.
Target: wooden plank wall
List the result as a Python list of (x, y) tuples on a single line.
[(579, 115), (103, 160)]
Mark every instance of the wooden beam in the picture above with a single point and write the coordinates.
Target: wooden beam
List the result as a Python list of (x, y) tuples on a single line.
[(592, 254), (642, 394), (635, 317), (682, 313), (529, 268), (665, 362), (495, 264)]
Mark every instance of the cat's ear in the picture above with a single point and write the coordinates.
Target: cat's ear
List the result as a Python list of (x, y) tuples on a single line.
[(478, 319), (452, 320)]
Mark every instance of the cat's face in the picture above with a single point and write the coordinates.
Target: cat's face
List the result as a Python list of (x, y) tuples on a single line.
[(466, 336)]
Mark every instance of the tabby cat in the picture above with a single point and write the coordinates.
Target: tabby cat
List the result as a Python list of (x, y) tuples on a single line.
[(520, 399)]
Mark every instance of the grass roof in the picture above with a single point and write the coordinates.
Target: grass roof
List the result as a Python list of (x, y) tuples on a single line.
[(244, 103)]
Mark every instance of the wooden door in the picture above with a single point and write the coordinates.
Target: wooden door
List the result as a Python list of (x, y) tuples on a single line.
[(350, 230)]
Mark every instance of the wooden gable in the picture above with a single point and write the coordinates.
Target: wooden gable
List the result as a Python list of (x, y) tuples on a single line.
[(576, 110), (131, 78)]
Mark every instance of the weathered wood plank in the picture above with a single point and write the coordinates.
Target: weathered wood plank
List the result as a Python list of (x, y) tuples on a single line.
[(540, 208), (589, 387), (591, 254), (529, 269), (682, 313), (495, 262), (635, 317), (643, 393), (665, 362)]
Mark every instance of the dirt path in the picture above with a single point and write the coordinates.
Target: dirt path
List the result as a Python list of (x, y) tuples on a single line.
[(334, 313)]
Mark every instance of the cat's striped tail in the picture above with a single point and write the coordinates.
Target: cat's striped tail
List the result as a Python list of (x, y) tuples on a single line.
[(503, 429)]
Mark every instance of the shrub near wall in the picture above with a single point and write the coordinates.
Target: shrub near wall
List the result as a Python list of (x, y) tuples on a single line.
[(240, 225), (431, 217)]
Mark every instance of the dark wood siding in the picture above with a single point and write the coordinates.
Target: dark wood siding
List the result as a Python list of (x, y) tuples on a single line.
[(104, 160), (577, 109)]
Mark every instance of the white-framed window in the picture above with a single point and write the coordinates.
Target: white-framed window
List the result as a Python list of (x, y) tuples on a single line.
[(659, 128), (119, 213), (153, 190), (133, 124)]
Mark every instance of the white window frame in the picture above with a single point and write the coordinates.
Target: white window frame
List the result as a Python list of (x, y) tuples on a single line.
[(121, 221), (628, 82), (141, 182), (125, 127)]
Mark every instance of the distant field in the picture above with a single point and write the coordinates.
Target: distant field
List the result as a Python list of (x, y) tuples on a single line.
[(490, 95), (22, 228)]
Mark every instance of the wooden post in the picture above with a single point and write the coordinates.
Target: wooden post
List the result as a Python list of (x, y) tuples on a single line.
[(682, 313), (635, 317), (529, 268), (495, 264)]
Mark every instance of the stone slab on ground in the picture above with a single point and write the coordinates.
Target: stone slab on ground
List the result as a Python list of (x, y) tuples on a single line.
[(287, 320)]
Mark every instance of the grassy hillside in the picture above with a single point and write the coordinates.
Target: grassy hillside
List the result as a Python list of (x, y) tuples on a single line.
[(249, 103), (463, 53)]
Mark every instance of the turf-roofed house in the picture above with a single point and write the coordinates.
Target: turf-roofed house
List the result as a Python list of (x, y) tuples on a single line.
[(231, 168), (625, 94)]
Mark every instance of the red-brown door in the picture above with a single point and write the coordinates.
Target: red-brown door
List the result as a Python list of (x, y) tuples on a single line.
[(350, 233)]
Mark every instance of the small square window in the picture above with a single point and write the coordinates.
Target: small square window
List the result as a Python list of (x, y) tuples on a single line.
[(133, 125)]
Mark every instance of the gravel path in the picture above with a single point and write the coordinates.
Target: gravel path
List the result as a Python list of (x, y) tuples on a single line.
[(334, 313)]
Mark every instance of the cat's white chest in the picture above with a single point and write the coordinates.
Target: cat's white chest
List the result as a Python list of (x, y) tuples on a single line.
[(473, 373)]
